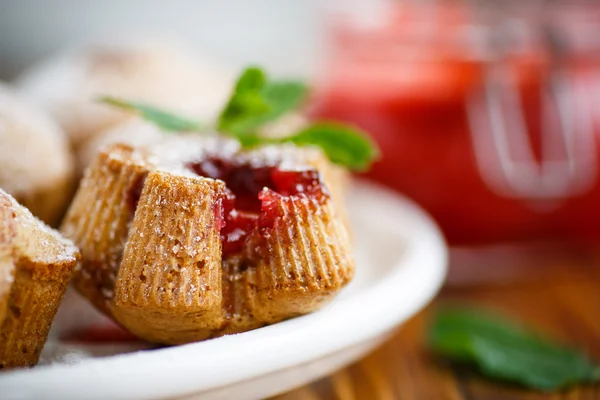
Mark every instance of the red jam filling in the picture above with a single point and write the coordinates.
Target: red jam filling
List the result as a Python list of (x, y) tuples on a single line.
[(252, 195)]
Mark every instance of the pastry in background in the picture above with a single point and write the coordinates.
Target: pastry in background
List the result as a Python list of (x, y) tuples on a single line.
[(36, 163), (164, 73), (197, 238), (36, 264)]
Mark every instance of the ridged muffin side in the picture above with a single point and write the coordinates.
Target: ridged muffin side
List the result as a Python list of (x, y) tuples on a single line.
[(99, 220), (168, 288), (306, 260)]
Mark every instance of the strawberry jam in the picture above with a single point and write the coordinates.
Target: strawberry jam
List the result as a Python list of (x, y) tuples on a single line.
[(253, 193)]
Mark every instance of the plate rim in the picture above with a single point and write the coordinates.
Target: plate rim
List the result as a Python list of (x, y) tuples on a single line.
[(423, 267)]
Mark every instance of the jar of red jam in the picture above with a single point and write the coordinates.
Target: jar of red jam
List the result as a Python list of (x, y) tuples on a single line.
[(486, 115)]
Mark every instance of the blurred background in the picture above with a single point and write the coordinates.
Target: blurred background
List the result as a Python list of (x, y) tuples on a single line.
[(281, 35), (487, 112)]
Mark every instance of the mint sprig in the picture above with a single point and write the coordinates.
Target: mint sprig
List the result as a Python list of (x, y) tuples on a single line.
[(163, 119), (256, 101), (503, 350)]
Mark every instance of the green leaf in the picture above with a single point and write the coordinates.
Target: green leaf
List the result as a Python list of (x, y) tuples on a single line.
[(251, 80), (342, 144), (283, 97), (251, 140), (163, 119), (245, 102), (504, 350), (256, 101)]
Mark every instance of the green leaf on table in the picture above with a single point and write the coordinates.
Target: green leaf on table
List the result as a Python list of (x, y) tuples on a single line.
[(342, 144), (504, 350), (163, 119), (256, 101)]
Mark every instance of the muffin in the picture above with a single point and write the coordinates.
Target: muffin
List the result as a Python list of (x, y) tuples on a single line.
[(36, 164), (160, 72), (190, 237), (35, 266)]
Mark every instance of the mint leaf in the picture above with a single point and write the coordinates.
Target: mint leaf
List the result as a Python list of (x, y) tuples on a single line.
[(342, 144), (251, 80), (163, 119), (245, 103), (256, 101), (251, 140), (504, 350), (283, 97)]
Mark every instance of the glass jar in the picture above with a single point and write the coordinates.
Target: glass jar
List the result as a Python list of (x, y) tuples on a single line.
[(487, 113)]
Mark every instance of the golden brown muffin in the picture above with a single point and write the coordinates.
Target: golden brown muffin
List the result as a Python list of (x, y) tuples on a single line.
[(161, 72), (190, 237), (138, 132), (36, 164), (35, 266)]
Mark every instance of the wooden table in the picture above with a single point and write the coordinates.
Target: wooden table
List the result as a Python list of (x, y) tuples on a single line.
[(554, 290)]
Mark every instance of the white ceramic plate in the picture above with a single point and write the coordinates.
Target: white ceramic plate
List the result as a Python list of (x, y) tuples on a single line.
[(401, 265)]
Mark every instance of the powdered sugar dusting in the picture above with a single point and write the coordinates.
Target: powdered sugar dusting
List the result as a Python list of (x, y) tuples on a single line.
[(36, 239)]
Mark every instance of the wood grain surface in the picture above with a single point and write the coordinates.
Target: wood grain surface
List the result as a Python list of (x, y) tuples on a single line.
[(552, 289)]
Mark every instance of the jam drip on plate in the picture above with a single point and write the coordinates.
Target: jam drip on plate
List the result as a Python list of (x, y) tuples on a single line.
[(253, 193)]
